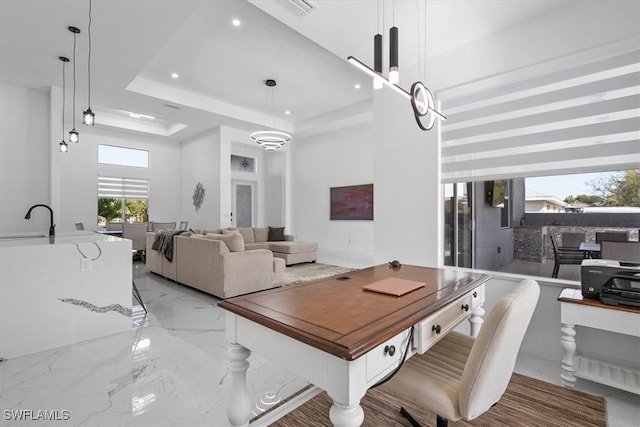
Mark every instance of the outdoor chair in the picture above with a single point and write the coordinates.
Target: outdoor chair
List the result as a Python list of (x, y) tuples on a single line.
[(563, 255), (612, 236), (621, 251), (572, 240)]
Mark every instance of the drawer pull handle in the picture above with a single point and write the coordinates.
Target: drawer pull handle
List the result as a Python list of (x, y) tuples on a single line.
[(475, 295), (436, 329), (465, 307), (390, 350)]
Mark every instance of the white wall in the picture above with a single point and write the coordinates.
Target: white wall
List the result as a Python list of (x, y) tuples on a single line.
[(408, 205), (24, 158), (336, 159), (200, 162)]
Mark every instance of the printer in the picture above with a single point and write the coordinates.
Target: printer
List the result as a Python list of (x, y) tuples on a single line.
[(611, 281)]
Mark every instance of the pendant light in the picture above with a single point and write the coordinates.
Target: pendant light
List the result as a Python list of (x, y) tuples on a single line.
[(394, 74), (63, 146), (377, 54), (88, 117), (74, 136), (270, 140)]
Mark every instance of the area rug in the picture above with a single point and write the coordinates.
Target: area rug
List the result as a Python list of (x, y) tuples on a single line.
[(307, 272), (527, 402)]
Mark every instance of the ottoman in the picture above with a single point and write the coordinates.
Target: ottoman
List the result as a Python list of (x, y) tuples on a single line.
[(295, 252)]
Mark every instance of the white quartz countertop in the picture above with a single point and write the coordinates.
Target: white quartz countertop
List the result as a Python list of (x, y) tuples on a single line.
[(40, 239)]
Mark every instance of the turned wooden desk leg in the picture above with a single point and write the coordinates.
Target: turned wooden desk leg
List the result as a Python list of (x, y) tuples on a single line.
[(476, 320), (346, 415), (568, 344), (239, 409)]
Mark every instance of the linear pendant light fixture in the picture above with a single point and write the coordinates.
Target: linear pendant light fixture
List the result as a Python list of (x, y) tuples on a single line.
[(270, 140), (88, 116), (421, 98), (63, 146), (74, 136)]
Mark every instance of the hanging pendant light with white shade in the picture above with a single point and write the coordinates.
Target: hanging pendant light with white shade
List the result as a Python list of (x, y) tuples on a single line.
[(270, 140), (88, 116), (63, 146)]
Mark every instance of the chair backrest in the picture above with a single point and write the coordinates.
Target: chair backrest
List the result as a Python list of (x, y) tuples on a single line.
[(137, 233), (554, 246), (114, 226), (573, 240), (612, 236), (155, 226), (493, 355), (620, 251), (79, 226)]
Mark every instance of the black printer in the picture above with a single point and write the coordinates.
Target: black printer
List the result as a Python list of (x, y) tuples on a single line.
[(611, 282)]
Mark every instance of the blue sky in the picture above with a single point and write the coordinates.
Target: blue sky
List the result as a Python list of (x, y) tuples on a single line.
[(564, 185)]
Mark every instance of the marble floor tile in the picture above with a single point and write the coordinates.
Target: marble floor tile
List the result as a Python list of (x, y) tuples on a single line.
[(171, 370)]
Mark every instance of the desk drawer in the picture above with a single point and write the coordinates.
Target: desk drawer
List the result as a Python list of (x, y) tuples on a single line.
[(380, 361), (429, 331)]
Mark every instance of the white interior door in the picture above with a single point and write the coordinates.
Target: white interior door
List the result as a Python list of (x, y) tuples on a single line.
[(244, 203)]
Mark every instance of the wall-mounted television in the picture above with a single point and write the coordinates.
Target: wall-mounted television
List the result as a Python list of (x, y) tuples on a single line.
[(495, 191)]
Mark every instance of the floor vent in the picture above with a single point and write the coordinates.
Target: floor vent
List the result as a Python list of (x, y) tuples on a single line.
[(300, 8)]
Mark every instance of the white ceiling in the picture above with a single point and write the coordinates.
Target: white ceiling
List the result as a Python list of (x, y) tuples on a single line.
[(137, 44)]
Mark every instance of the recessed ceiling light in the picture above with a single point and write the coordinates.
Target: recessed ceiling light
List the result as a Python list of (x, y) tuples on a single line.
[(236, 22), (357, 86), (175, 75), (287, 112)]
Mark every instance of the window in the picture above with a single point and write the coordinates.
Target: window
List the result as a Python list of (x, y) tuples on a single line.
[(122, 199), (121, 156)]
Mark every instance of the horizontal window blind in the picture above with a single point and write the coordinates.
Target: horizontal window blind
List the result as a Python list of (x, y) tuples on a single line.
[(567, 119), (128, 188)]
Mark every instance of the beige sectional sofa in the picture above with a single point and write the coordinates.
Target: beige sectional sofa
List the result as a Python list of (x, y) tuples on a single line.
[(216, 263), (292, 252)]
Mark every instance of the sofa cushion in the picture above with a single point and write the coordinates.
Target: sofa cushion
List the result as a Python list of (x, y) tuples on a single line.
[(233, 240), (254, 246), (260, 234), (247, 234), (293, 247), (276, 234)]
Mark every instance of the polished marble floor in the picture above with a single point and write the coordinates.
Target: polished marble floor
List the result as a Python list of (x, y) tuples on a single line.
[(171, 370)]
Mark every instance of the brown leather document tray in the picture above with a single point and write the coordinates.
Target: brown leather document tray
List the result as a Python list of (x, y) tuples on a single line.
[(394, 286)]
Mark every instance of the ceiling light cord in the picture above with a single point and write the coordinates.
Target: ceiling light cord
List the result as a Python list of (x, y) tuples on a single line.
[(63, 146), (89, 57), (74, 135)]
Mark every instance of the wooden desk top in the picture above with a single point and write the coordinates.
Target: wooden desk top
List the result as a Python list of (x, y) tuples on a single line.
[(575, 296), (341, 318)]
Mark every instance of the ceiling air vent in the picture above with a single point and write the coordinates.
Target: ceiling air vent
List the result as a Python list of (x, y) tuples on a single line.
[(175, 107), (300, 8)]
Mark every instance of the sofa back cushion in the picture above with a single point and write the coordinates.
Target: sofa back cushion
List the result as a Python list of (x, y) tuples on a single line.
[(260, 234), (234, 241), (247, 234)]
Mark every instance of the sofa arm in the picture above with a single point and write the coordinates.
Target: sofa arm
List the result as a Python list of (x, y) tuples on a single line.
[(153, 259), (245, 272), (198, 263), (289, 237)]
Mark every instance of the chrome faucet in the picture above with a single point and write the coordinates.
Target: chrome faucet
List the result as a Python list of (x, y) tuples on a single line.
[(52, 226)]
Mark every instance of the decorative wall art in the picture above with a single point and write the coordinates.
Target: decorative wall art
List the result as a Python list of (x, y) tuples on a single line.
[(354, 202), (198, 196)]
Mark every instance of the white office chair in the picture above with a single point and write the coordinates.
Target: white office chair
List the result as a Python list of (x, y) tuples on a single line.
[(462, 377)]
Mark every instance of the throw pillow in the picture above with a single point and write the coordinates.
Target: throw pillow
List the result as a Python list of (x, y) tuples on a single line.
[(247, 234), (234, 231), (234, 241), (260, 234), (276, 234)]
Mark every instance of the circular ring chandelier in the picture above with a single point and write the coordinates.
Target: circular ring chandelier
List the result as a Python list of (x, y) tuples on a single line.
[(270, 140)]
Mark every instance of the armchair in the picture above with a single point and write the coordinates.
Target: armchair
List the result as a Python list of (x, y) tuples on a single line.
[(462, 377)]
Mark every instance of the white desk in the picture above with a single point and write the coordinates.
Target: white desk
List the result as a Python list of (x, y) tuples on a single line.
[(336, 335), (591, 313)]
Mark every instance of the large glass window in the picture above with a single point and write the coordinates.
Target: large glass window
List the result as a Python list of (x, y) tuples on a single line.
[(122, 199)]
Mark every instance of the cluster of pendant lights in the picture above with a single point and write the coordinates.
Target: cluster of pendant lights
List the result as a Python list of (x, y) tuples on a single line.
[(422, 100), (88, 116)]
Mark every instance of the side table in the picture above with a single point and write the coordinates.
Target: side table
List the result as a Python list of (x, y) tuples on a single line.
[(591, 313)]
